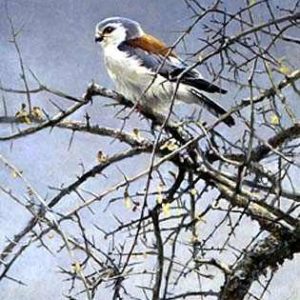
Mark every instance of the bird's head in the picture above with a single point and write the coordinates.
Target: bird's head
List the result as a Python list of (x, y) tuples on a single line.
[(116, 30)]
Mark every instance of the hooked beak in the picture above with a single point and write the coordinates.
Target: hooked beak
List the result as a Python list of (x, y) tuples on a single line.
[(99, 37)]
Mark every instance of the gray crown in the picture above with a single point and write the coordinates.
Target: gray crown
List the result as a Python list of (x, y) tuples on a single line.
[(133, 28)]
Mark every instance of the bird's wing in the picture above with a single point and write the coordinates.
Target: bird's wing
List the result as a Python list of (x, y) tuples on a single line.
[(156, 56), (151, 45)]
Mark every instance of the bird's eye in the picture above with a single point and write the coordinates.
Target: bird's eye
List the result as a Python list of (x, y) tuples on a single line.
[(108, 29)]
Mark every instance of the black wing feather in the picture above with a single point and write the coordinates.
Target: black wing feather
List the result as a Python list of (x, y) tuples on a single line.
[(213, 107), (170, 69), (202, 84)]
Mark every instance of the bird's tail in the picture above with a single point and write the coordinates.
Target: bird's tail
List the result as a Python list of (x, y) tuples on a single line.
[(212, 106)]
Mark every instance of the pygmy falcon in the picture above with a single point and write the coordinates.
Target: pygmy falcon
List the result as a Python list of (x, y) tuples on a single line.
[(149, 73)]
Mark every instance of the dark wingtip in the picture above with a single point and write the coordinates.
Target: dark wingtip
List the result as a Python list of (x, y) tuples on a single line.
[(222, 91), (229, 121)]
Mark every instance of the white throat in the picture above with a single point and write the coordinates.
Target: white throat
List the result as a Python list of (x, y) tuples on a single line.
[(117, 37)]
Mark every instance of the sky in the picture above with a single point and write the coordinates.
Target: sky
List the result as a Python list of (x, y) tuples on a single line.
[(57, 43)]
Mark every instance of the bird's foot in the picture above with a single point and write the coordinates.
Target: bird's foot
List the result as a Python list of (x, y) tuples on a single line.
[(136, 107)]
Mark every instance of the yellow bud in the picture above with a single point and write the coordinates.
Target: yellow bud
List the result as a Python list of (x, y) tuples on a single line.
[(166, 209), (275, 120), (37, 113), (128, 202), (101, 157), (193, 192), (26, 120), (76, 267), (170, 145), (284, 69), (22, 115)]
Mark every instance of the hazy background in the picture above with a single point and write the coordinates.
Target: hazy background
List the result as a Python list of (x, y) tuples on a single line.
[(57, 43)]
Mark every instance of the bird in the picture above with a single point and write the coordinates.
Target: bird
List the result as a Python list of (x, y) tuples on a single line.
[(149, 73)]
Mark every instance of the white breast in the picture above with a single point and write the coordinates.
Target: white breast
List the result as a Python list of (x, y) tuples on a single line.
[(127, 72), (135, 82)]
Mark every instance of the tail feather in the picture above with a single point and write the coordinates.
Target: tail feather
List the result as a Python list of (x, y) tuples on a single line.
[(203, 85), (193, 79), (212, 107)]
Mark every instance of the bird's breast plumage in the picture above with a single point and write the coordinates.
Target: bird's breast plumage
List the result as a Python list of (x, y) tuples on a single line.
[(139, 83), (123, 66), (128, 73)]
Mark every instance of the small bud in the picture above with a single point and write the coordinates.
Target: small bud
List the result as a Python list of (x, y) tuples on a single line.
[(128, 202), (37, 113), (166, 209), (101, 157), (275, 120), (76, 267)]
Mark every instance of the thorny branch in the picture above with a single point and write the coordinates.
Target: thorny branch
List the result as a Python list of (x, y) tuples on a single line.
[(204, 186)]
